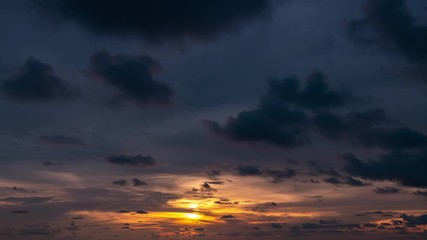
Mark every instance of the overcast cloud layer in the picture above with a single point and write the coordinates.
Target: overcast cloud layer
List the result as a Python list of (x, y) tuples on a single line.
[(227, 119)]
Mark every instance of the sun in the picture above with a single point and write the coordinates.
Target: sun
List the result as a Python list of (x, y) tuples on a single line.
[(193, 216)]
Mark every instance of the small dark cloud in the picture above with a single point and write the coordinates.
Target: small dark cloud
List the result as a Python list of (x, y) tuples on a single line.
[(131, 76), (406, 168), (415, 220), (18, 189), (137, 182), (386, 190), (390, 26), (20, 212), (155, 21), (205, 187), (420, 193), (275, 175), (248, 171), (121, 182), (315, 95), (370, 225), (48, 163), (141, 212), (40, 229), (26, 200), (213, 172), (276, 225), (310, 225), (347, 181), (227, 216), (62, 140), (35, 82), (216, 182), (135, 161), (328, 221)]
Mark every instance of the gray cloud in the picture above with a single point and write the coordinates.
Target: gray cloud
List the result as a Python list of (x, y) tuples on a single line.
[(131, 76), (36, 82), (135, 161)]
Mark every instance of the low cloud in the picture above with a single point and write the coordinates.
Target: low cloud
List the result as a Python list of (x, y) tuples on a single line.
[(134, 161)]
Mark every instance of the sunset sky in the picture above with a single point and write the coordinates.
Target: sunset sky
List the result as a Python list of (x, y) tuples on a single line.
[(213, 119)]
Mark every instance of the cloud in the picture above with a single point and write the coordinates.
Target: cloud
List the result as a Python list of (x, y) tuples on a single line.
[(26, 200), (137, 182), (62, 140), (420, 193), (346, 180), (248, 171), (36, 82), (406, 168), (390, 26), (20, 212), (288, 115), (131, 76), (121, 182), (275, 175), (155, 21), (41, 229), (415, 220), (386, 190), (135, 161)]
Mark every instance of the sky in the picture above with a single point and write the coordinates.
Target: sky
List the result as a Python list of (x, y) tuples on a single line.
[(213, 120)]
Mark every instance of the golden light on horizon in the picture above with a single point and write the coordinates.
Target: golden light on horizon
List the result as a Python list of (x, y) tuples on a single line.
[(193, 216)]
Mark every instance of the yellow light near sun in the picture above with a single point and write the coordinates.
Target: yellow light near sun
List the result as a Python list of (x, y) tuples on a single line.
[(193, 205), (193, 215)]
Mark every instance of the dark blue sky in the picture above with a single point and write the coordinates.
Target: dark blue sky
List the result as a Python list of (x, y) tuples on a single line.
[(205, 113)]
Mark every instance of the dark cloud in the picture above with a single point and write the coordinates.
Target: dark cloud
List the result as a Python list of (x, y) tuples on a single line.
[(420, 193), (415, 220), (62, 140), (20, 212), (388, 24), (287, 116), (276, 225), (36, 82), (406, 168), (362, 129), (347, 181), (316, 94), (205, 187), (280, 118), (248, 171), (40, 229), (275, 175), (137, 182), (387, 190), (328, 221), (135, 161), (227, 216), (155, 20), (132, 77), (370, 225), (121, 182), (26, 200)]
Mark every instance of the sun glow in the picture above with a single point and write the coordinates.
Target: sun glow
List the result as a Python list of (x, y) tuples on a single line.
[(193, 216)]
